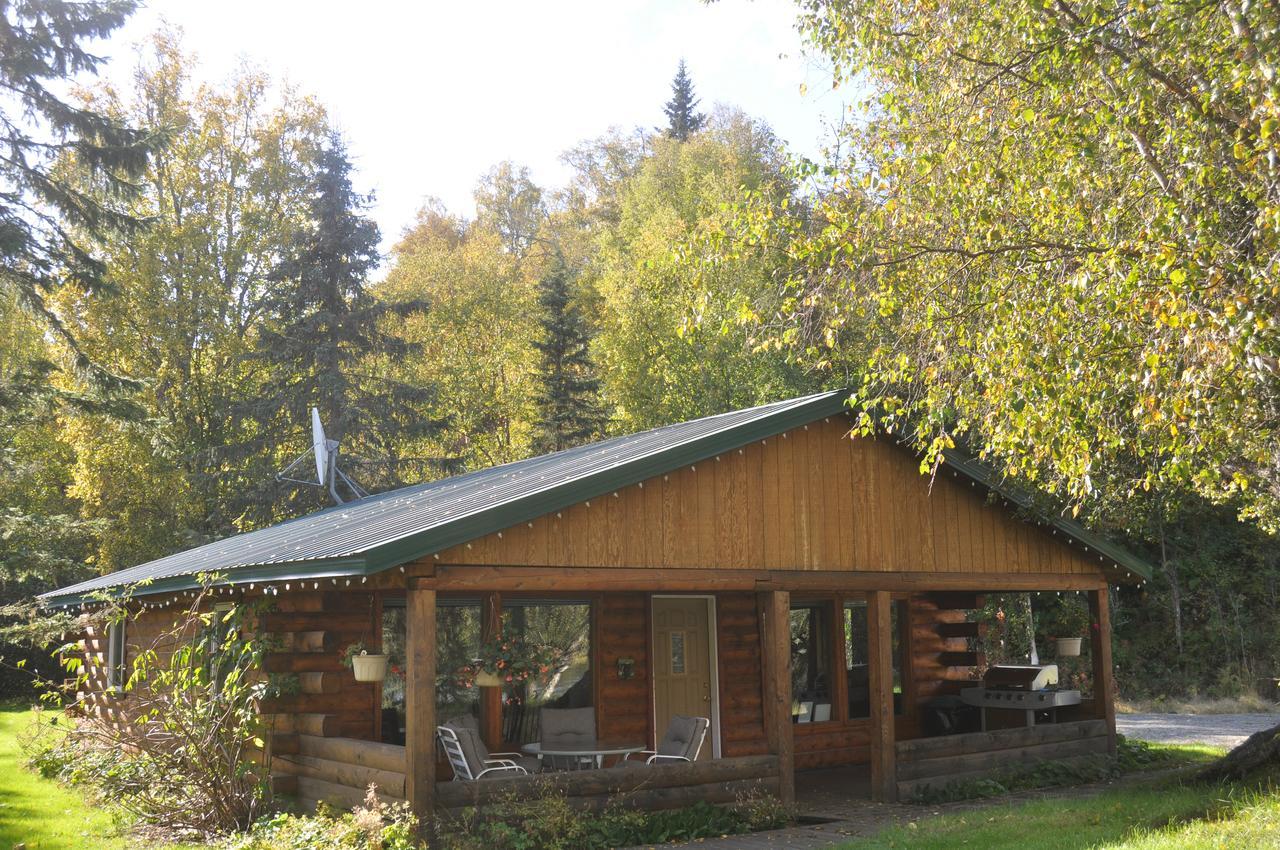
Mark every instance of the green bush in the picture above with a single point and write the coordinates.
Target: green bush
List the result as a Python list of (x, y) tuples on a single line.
[(372, 826)]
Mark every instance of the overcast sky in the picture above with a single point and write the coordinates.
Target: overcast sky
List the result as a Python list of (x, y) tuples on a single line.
[(432, 94)]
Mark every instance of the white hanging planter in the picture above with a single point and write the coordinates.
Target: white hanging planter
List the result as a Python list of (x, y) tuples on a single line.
[(369, 668), (1069, 646), (485, 679)]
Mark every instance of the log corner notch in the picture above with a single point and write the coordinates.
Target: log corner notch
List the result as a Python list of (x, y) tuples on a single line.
[(420, 702), (884, 779), (775, 637)]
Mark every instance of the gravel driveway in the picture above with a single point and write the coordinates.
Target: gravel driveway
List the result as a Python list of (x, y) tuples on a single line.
[(1222, 730)]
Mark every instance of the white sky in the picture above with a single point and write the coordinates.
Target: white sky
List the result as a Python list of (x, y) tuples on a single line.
[(431, 94)]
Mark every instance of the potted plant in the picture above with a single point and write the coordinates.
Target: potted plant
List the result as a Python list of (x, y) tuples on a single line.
[(505, 661), (368, 667), (1069, 621)]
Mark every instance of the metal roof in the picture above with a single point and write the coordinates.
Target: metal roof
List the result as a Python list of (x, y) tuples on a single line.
[(388, 529)]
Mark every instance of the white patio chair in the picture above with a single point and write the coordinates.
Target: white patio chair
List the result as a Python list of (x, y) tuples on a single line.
[(681, 743), (471, 760)]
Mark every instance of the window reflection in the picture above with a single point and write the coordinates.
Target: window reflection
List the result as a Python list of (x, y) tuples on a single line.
[(857, 656), (564, 628), (811, 646)]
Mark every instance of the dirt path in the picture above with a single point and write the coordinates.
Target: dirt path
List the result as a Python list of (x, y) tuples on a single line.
[(1220, 730)]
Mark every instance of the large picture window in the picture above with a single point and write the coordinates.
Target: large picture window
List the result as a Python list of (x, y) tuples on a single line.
[(564, 628), (457, 643), (811, 666)]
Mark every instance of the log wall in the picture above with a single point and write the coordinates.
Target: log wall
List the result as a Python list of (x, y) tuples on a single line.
[(936, 762), (339, 771)]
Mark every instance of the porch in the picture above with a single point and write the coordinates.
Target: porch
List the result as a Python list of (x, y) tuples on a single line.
[(818, 672)]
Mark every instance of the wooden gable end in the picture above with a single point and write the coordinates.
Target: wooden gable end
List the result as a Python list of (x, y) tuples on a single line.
[(809, 499)]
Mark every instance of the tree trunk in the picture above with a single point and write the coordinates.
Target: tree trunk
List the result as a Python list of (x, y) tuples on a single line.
[(1261, 749)]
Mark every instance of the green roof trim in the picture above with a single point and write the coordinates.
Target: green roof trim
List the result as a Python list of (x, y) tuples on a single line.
[(391, 529)]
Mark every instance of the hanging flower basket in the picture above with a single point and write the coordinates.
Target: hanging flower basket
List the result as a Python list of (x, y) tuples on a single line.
[(1068, 646), (505, 661), (368, 667)]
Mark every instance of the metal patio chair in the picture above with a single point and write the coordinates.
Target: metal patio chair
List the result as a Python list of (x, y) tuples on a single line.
[(471, 760), (681, 743)]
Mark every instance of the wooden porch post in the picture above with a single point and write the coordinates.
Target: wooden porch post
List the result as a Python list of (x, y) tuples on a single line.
[(775, 651), (491, 698), (420, 702), (1104, 687), (884, 773)]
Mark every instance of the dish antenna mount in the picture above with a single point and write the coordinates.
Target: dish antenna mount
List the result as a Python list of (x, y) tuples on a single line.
[(328, 475)]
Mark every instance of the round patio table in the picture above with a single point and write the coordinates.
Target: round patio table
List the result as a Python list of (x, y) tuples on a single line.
[(595, 750)]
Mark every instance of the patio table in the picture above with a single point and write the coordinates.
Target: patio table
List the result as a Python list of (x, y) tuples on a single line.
[(596, 750)]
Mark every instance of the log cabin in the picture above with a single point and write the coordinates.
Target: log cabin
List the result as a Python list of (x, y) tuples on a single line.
[(811, 593)]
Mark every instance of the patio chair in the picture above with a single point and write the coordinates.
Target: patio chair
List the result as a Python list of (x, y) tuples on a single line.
[(471, 759), (567, 727), (681, 743)]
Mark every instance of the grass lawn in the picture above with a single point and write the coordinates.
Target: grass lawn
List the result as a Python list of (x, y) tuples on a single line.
[(1158, 815), (42, 814)]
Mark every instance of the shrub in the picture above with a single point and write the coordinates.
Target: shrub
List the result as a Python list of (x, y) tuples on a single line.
[(372, 826), (180, 752)]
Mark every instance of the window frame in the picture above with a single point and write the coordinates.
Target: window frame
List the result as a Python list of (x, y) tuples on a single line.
[(836, 653)]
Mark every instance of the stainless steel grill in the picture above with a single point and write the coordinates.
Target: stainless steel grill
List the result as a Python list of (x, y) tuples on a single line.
[(1026, 687)]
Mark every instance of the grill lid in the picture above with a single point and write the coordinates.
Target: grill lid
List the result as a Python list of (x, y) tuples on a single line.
[(1023, 677)]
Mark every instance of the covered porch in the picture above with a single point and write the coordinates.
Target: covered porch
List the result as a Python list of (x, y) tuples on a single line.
[(802, 671)]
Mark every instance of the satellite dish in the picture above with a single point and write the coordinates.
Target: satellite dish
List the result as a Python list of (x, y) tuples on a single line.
[(320, 445), (328, 475)]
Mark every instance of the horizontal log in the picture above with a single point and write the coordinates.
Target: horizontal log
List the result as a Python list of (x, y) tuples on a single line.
[(355, 697), (609, 782), (313, 791), (1004, 759), (302, 662), (451, 577), (974, 742), (284, 783), (319, 683), (374, 754), (650, 798), (353, 775), (322, 725), (284, 743), (909, 788), (306, 621)]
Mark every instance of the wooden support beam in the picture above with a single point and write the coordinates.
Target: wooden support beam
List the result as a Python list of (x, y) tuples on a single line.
[(775, 652), (451, 577), (884, 780), (491, 698), (420, 702), (1104, 686)]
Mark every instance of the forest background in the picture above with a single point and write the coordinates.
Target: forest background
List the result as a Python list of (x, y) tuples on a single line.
[(945, 261)]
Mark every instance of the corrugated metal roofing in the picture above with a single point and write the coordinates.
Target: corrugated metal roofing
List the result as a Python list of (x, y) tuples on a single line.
[(381, 531)]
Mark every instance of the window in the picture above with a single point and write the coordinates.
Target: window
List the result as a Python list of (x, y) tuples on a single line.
[(457, 642), (857, 657), (811, 667), (116, 659), (563, 627)]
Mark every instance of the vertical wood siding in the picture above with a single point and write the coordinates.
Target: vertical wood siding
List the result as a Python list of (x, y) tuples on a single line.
[(809, 499)]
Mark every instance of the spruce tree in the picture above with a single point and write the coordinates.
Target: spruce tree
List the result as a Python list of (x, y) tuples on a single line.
[(65, 168), (682, 118), (569, 411), (325, 345)]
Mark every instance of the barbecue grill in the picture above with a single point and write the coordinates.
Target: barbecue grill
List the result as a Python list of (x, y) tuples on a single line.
[(1020, 687)]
